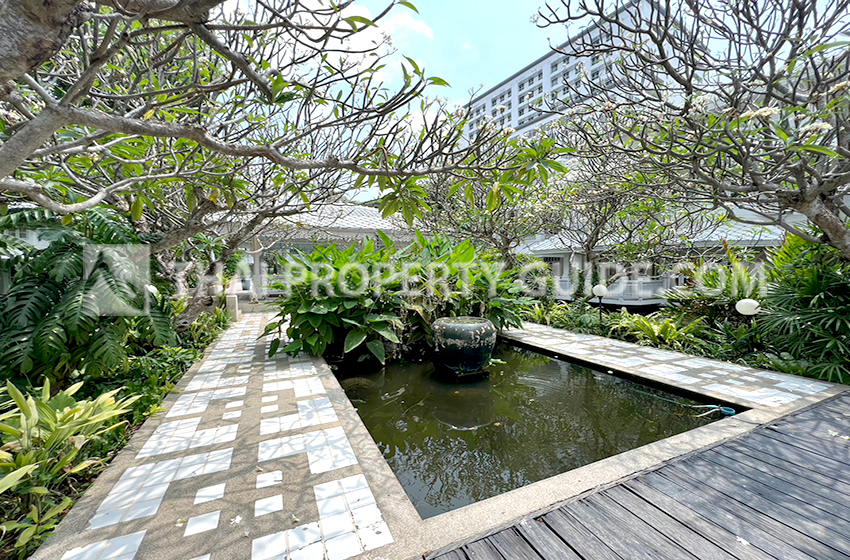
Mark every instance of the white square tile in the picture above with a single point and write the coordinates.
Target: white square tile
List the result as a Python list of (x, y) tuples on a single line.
[(106, 518), (122, 546), (375, 536), (336, 525), (268, 547), (343, 546), (204, 557), (304, 535), (231, 415), (234, 404), (201, 523), (209, 493), (315, 551), (331, 506), (143, 509), (269, 479), (366, 515), (271, 398), (268, 505), (88, 552), (327, 490), (268, 408), (359, 498)]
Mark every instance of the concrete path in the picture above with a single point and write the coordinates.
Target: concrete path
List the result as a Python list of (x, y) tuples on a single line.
[(248, 461)]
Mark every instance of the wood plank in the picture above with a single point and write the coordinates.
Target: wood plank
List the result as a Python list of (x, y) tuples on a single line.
[(794, 455), (482, 550), (693, 542), (810, 474), (578, 537), (545, 542), (776, 505), (747, 524), (828, 492), (780, 506), (819, 428), (820, 447), (696, 523), (622, 540), (511, 545), (838, 407), (747, 508), (637, 527), (450, 555)]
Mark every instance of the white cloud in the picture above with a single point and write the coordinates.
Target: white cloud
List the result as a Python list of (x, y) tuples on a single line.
[(400, 24)]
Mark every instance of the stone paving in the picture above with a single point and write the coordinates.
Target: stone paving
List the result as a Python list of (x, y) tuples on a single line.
[(726, 381), (249, 461)]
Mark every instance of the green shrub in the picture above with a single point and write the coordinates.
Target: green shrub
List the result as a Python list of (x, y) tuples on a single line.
[(659, 331), (384, 313), (204, 330), (52, 324), (43, 441), (807, 310)]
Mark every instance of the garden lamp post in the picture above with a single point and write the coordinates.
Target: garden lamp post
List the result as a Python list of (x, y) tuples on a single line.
[(747, 307), (600, 291)]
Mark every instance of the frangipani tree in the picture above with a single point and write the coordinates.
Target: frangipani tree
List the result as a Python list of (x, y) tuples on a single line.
[(192, 115), (739, 106)]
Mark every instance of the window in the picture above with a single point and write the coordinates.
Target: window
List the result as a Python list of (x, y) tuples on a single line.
[(539, 90), (521, 112), (554, 66), (594, 59), (521, 86), (594, 75), (493, 112)]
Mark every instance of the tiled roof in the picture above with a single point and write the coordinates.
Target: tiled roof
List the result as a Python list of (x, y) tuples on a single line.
[(735, 233), (340, 222)]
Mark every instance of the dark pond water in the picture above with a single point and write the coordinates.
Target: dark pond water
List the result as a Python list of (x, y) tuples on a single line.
[(454, 444)]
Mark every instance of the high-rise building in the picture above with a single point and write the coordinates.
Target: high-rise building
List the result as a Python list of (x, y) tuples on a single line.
[(551, 82)]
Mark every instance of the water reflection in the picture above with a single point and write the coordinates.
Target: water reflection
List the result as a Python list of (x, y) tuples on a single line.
[(454, 444)]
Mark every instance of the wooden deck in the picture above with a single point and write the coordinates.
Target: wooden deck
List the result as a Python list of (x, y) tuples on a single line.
[(779, 492)]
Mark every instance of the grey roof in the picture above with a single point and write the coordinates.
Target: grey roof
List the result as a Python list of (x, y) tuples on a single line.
[(735, 233), (340, 222)]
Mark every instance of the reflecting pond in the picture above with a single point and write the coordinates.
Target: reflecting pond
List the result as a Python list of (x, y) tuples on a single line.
[(452, 444)]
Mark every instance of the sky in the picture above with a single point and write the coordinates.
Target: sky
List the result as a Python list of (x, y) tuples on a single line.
[(468, 42)]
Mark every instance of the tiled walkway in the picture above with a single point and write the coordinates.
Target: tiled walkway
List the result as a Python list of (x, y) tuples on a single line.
[(729, 382), (249, 461)]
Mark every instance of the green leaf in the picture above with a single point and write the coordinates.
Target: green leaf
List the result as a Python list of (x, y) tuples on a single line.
[(275, 344), (387, 333), (14, 477), (353, 340), (136, 208), (408, 5), (817, 149), (352, 20), (377, 348)]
